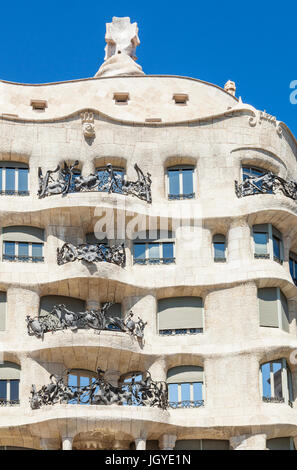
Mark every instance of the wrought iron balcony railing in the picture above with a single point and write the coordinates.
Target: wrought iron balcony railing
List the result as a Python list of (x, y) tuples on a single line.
[(154, 260), (144, 392), (181, 331), (68, 181), (23, 258), (267, 183), (220, 260), (262, 256), (92, 253), (186, 404), (60, 318), (277, 400), (178, 197), (4, 402), (14, 192)]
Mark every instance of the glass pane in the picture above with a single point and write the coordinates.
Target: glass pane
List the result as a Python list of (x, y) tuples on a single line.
[(277, 375), (10, 179), (85, 397), (185, 392), (106, 184), (139, 252), (198, 395), (249, 171), (260, 240), (265, 368), (37, 250), (23, 250), (167, 251), (291, 262), (276, 247), (187, 181), (72, 383), (154, 251), (23, 179), (219, 250), (14, 390), (3, 388), (1, 172), (173, 176), (173, 392), (9, 249)]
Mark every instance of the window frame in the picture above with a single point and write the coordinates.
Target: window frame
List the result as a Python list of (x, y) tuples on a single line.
[(218, 259), (279, 311), (16, 166), (293, 259), (272, 233), (20, 258), (158, 261), (286, 382), (181, 196)]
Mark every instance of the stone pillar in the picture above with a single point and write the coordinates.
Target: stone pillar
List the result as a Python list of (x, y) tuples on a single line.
[(112, 377), (239, 241), (158, 370), (287, 241), (292, 306), (248, 442), (93, 300), (167, 442), (21, 302), (140, 443), (145, 308), (67, 442), (88, 168), (121, 445)]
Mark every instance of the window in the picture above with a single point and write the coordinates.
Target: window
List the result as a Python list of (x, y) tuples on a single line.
[(2, 311), (268, 243), (280, 443), (180, 98), (293, 267), (276, 382), (185, 387), (180, 182), (23, 244), (254, 172), (9, 383), (132, 383), (154, 253), (77, 380), (201, 444), (48, 302), (273, 308), (121, 98), (14, 179), (219, 248), (110, 182), (180, 315), (38, 105)]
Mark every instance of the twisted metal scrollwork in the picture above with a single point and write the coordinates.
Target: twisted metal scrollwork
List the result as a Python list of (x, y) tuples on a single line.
[(92, 253), (268, 183), (105, 181), (137, 392), (60, 318)]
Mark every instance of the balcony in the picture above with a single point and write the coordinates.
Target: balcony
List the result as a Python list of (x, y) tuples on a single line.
[(266, 183), (185, 404), (179, 197), (146, 261), (24, 259), (4, 402), (9, 192)]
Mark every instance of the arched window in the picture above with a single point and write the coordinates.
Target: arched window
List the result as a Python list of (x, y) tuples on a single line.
[(105, 182), (14, 178), (180, 182), (268, 242), (280, 443), (48, 302), (273, 308), (180, 315), (78, 380), (157, 250), (185, 387), (21, 243), (9, 383), (276, 382), (219, 248), (254, 172)]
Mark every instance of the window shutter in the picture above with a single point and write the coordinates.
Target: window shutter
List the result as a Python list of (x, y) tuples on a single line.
[(215, 444), (268, 306), (188, 444), (9, 371), (280, 443), (2, 311), (218, 238), (180, 312), (284, 312), (185, 374), (23, 234), (13, 165), (115, 311), (49, 301)]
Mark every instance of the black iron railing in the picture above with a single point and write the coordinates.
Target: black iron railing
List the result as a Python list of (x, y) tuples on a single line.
[(4, 402), (13, 192), (277, 400), (178, 197), (24, 259), (261, 256), (185, 404), (154, 261)]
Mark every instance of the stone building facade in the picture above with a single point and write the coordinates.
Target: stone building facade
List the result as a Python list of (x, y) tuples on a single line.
[(167, 197)]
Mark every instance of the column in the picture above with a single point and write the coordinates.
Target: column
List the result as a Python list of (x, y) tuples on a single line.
[(88, 168), (239, 241), (67, 442), (158, 370), (121, 445), (112, 377), (140, 443), (167, 442), (145, 308), (248, 442)]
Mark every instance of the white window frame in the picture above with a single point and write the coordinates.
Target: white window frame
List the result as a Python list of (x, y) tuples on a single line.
[(147, 243), (270, 250), (8, 389), (287, 389), (17, 250), (179, 391), (180, 168), (16, 181)]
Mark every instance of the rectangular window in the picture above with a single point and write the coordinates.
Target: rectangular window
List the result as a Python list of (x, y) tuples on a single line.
[(14, 390), (3, 390), (23, 180), (180, 182), (261, 240), (139, 253), (9, 251), (37, 251), (23, 254), (10, 180)]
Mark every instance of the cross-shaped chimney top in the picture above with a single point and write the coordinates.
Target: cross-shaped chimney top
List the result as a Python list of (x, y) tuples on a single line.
[(121, 37)]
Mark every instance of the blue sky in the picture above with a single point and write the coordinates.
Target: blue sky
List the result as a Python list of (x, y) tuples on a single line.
[(253, 43)]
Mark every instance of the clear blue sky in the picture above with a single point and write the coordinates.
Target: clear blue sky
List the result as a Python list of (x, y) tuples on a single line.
[(253, 43)]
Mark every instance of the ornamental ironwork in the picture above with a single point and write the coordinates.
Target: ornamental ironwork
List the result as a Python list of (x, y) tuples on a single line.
[(92, 253), (144, 392), (61, 318), (267, 183), (68, 180), (4, 402), (186, 404)]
